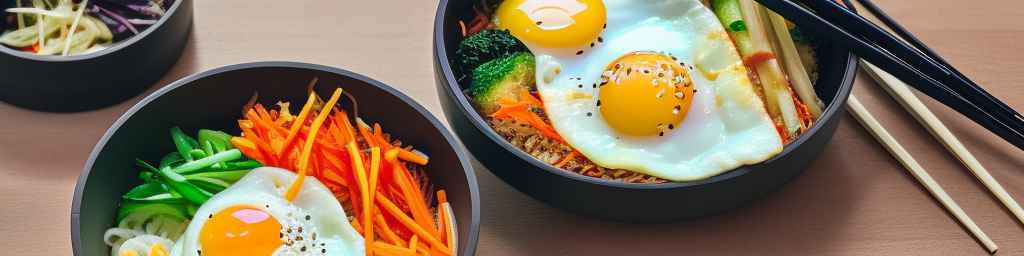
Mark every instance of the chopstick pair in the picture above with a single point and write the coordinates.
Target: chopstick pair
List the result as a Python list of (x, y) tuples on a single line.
[(902, 94), (918, 66), (889, 142)]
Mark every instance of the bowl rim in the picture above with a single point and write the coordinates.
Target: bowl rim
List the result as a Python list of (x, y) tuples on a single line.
[(452, 88), (468, 170), (173, 10)]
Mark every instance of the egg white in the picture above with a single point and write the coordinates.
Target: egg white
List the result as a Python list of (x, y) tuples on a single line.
[(726, 126), (264, 188)]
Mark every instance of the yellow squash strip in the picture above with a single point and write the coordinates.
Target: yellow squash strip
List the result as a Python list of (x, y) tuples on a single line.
[(293, 190)]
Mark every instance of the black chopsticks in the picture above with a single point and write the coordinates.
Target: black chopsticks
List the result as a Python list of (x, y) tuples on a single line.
[(913, 63)]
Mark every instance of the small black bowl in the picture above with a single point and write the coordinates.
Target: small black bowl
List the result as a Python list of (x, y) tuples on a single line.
[(214, 99), (99, 79), (623, 201)]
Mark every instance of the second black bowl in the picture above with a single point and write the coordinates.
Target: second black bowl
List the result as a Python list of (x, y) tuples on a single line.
[(214, 99), (623, 201), (99, 79)]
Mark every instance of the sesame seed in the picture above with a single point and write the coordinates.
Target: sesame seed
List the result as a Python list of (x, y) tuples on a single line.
[(670, 126), (591, 44), (323, 250), (598, 103), (590, 114), (680, 95), (661, 133), (303, 249), (600, 39), (605, 25), (594, 86), (307, 217), (580, 52), (580, 86), (676, 109)]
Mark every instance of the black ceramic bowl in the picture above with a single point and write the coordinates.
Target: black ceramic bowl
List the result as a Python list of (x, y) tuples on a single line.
[(214, 99), (622, 201), (99, 79)]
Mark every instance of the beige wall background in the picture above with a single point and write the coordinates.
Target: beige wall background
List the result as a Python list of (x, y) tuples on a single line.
[(853, 200)]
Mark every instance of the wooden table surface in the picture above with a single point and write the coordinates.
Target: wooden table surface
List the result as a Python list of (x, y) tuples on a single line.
[(853, 200)]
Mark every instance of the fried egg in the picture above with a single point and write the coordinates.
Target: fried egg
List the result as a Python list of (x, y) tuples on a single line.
[(252, 217), (655, 87)]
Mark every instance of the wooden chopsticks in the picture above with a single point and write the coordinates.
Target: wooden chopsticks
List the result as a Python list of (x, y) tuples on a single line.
[(875, 128), (902, 94), (928, 74)]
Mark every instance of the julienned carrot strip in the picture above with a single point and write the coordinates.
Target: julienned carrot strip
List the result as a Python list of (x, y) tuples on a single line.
[(299, 121), (387, 249), (374, 169), (413, 197), (366, 133), (413, 157), (360, 174), (293, 190), (413, 242), (566, 159), (520, 111), (248, 148), (346, 124), (390, 207), (391, 155), (442, 223), (386, 230), (262, 145)]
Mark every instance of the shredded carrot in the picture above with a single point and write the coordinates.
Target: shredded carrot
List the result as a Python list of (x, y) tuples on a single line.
[(410, 223), (387, 249), (413, 157), (352, 158), (414, 199), (569, 157), (520, 111), (368, 217), (293, 190), (296, 125), (386, 230)]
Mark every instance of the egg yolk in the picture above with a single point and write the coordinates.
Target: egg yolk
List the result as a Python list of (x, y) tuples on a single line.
[(553, 23), (240, 230), (645, 94)]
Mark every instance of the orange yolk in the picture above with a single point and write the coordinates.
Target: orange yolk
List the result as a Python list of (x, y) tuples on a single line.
[(645, 94), (553, 23), (240, 230)]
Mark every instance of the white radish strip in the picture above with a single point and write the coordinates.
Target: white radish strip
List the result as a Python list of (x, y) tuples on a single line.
[(791, 63), (74, 26), (41, 24), (37, 11), (453, 231)]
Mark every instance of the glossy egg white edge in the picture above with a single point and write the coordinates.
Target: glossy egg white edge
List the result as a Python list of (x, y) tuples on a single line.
[(265, 186), (727, 125)]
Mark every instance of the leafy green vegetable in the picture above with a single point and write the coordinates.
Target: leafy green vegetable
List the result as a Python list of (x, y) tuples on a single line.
[(485, 46), (501, 78)]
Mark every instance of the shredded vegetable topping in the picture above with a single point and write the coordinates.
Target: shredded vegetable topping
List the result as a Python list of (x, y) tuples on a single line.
[(64, 27), (377, 179)]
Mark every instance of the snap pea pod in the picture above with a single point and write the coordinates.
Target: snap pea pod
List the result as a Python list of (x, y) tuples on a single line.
[(179, 184), (181, 143)]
